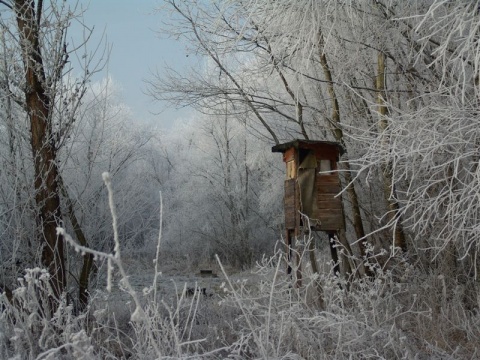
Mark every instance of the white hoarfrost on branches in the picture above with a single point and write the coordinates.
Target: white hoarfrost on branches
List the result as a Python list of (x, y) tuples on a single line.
[(397, 83)]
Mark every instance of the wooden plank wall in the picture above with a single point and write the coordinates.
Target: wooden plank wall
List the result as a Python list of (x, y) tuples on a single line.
[(329, 207)]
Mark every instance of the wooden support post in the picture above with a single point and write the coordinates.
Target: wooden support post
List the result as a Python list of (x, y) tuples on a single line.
[(298, 260), (288, 244), (333, 250), (293, 256)]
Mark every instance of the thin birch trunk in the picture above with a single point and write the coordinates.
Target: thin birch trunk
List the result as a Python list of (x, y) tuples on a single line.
[(387, 172)]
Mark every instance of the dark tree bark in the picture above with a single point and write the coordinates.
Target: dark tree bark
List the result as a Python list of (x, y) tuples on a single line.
[(38, 106)]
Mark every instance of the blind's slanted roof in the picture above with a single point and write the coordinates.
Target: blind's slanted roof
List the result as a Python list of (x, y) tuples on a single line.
[(306, 144)]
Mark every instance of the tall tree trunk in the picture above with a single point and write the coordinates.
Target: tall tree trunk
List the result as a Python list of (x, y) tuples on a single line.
[(388, 189), (38, 105), (338, 134)]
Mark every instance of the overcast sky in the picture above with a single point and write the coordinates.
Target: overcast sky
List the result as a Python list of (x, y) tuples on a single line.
[(136, 51)]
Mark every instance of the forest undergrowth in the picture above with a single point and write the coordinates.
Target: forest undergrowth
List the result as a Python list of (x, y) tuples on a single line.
[(400, 313)]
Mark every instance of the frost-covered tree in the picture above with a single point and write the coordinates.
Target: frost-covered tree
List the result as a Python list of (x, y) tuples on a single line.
[(59, 132), (432, 145), (218, 192), (35, 47)]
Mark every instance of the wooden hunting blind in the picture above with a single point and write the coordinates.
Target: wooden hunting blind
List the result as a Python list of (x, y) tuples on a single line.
[(311, 188), (311, 185)]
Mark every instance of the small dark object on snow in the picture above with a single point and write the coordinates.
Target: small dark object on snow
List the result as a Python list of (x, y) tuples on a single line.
[(191, 291)]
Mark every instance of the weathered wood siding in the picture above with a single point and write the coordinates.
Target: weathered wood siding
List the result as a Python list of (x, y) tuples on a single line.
[(329, 207)]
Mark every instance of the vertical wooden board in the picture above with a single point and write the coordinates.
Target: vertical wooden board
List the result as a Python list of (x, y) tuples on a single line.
[(290, 204), (291, 169)]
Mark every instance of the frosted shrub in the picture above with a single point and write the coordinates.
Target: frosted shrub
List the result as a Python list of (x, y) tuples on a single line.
[(398, 314), (29, 331)]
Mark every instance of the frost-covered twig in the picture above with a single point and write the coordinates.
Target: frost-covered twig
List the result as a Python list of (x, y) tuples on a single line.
[(157, 254), (138, 314)]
